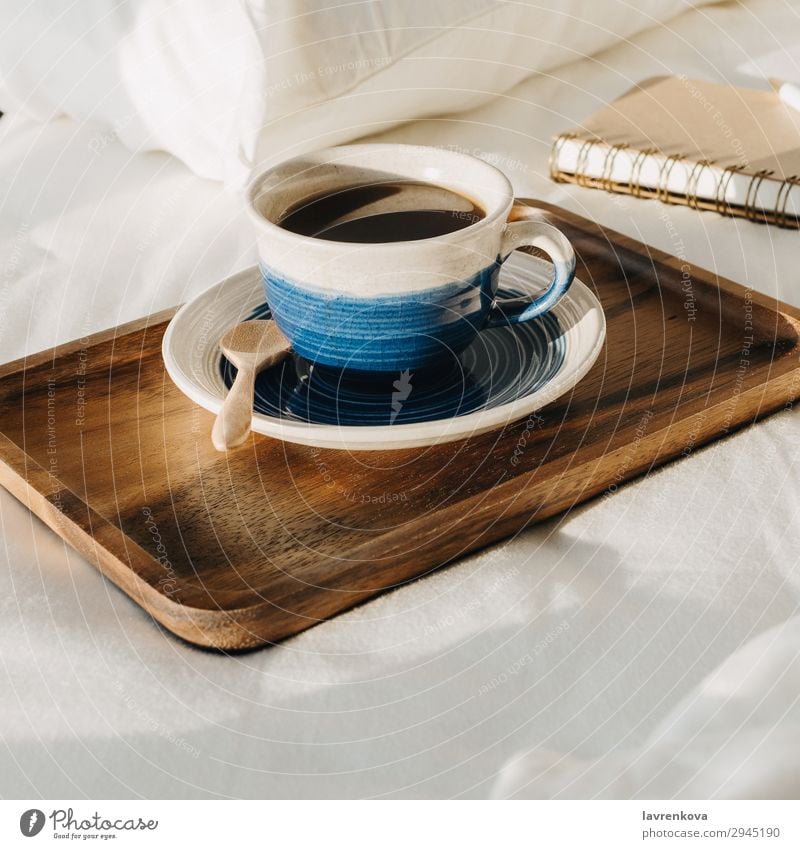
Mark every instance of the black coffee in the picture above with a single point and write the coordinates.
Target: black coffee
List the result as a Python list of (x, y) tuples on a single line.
[(384, 212)]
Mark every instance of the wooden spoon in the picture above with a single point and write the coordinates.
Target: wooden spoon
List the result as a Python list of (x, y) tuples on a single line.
[(250, 346)]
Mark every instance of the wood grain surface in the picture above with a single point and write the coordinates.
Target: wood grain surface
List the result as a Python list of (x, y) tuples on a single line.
[(241, 549)]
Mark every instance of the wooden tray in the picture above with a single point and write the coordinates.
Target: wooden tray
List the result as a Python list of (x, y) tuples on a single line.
[(245, 549)]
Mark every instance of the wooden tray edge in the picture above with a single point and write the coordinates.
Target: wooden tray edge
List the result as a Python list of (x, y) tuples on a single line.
[(46, 355), (107, 547), (113, 553), (774, 305)]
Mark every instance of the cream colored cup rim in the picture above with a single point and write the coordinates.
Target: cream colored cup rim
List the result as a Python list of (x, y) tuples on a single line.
[(328, 155)]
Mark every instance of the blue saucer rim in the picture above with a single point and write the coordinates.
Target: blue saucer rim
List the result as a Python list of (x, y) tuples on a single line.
[(544, 335), (193, 365)]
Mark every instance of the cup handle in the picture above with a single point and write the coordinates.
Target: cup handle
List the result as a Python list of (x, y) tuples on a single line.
[(520, 234)]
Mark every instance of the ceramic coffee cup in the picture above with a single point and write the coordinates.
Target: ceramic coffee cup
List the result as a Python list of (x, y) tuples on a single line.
[(395, 305)]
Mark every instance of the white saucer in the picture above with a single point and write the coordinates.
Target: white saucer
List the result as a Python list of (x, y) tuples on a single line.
[(553, 357)]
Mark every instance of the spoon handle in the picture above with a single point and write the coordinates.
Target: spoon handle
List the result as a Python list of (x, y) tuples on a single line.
[(232, 425)]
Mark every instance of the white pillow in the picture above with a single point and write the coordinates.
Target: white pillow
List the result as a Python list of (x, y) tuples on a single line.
[(228, 87)]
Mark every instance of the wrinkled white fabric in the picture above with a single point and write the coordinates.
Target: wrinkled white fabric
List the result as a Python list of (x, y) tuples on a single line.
[(585, 638), (735, 736), (229, 86)]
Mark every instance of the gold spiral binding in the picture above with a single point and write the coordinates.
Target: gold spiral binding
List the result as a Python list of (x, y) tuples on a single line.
[(634, 181), (662, 188), (721, 204), (751, 211), (581, 177), (555, 152), (693, 181), (785, 189), (606, 179)]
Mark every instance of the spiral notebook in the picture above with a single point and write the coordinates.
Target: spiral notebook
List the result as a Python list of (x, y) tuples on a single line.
[(701, 144)]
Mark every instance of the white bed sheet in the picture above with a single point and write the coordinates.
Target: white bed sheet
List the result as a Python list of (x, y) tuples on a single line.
[(572, 642)]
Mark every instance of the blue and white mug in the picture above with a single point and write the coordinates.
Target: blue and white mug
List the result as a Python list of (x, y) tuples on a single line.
[(395, 305)]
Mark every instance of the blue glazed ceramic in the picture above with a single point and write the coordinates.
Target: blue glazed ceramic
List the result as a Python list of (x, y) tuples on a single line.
[(498, 367), (505, 375), (387, 333), (398, 305)]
